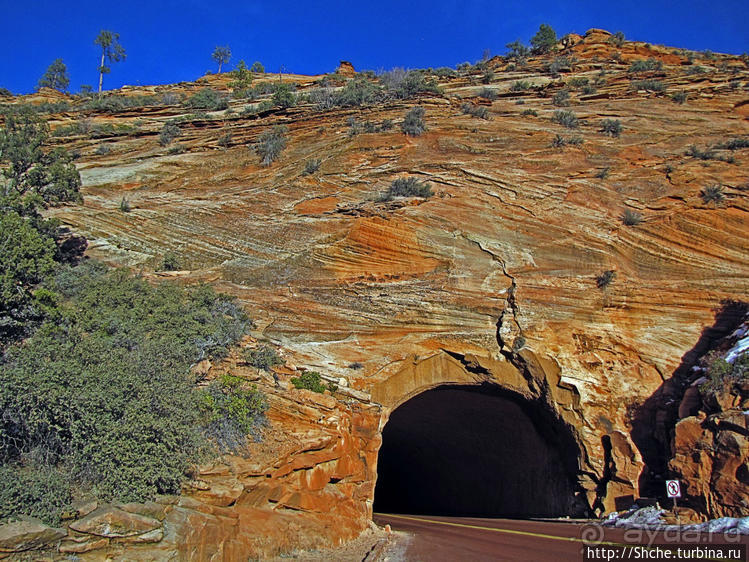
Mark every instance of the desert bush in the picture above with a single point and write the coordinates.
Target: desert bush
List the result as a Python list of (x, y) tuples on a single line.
[(733, 144), (283, 96), (679, 97), (696, 70), (263, 357), (323, 98), (311, 166), (603, 173), (617, 39), (521, 86), (103, 149), (560, 63), (527, 112), (713, 194), (311, 380), (577, 83), (722, 375), (479, 111), (605, 279), (35, 490), (168, 133), (231, 410), (102, 389), (445, 72), (408, 187), (357, 92), (645, 65), (631, 218), (170, 261), (413, 123), (125, 205), (561, 98), (611, 127), (224, 141), (271, 143), (566, 118), (649, 85), (207, 99), (404, 84), (588, 89), (559, 141), (488, 93)]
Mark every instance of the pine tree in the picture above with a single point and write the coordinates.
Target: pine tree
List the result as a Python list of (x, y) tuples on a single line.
[(56, 77), (111, 51), (221, 55)]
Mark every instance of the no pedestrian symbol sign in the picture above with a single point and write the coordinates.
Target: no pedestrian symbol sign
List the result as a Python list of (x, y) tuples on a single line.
[(673, 489)]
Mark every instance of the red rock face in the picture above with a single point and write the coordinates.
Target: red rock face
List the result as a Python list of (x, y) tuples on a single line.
[(493, 278)]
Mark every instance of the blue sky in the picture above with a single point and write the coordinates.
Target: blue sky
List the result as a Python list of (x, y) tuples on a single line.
[(172, 40)]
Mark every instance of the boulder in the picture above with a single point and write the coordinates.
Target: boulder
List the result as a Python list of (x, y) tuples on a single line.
[(111, 522), (29, 534)]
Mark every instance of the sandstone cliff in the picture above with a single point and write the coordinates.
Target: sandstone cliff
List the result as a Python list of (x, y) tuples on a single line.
[(497, 277)]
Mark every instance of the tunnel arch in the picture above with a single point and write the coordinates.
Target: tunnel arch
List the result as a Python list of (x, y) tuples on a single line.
[(476, 448)]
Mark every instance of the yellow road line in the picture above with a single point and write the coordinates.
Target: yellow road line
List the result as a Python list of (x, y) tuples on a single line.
[(526, 533), (508, 531)]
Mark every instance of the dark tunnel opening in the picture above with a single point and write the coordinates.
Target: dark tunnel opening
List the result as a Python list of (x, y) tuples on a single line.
[(476, 451)]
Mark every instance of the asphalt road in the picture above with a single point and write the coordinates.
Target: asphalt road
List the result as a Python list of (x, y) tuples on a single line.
[(455, 539)]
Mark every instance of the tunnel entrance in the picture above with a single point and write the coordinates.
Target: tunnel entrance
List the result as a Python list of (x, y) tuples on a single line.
[(476, 451)]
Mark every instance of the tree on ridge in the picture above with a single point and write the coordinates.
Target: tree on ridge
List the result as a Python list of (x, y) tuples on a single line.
[(111, 51), (56, 77), (221, 55)]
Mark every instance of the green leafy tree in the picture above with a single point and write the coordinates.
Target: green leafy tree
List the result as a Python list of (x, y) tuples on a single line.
[(111, 51), (221, 55), (544, 40), (56, 77), (257, 67), (241, 77), (29, 168)]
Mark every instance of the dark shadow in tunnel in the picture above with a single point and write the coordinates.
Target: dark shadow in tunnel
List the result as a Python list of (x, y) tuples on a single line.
[(476, 451)]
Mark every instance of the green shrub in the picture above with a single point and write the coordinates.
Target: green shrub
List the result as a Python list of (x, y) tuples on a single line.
[(521, 86), (713, 194), (603, 173), (406, 84), (649, 85), (357, 92), (38, 491), (257, 67), (263, 357), (207, 99), (722, 375), (605, 279), (311, 380), (631, 218), (232, 409), (445, 72), (560, 63), (527, 112), (679, 97), (479, 111), (645, 65), (565, 118), (696, 70), (103, 390), (283, 96), (561, 98), (170, 261), (588, 90), (408, 187), (311, 166), (125, 205), (168, 133), (488, 93), (270, 144), (224, 141), (559, 141), (617, 39), (413, 123), (103, 149), (611, 127), (577, 83), (734, 144)]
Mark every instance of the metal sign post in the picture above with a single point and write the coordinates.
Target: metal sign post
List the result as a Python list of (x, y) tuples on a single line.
[(673, 489)]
